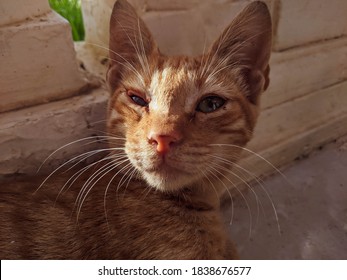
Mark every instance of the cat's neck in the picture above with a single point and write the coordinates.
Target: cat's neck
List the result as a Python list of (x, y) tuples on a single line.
[(199, 197)]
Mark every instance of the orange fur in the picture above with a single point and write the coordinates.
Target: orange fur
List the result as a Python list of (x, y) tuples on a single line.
[(169, 119)]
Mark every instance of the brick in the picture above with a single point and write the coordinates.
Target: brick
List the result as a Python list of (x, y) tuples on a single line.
[(179, 27), (189, 32), (42, 59), (19, 10), (295, 22), (288, 150), (96, 17), (171, 5), (279, 123), (302, 22), (212, 24), (29, 135), (173, 31), (303, 70)]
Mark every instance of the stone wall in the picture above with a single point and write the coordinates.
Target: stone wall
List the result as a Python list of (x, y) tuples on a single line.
[(33, 71), (38, 67), (304, 107)]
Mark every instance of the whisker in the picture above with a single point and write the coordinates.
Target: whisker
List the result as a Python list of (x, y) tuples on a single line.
[(94, 177), (127, 64), (139, 56), (257, 155), (247, 204), (63, 147), (238, 177), (227, 189), (143, 50), (259, 181), (258, 202), (68, 162), (126, 169), (238, 61), (213, 186), (87, 187), (79, 173), (92, 153), (75, 176), (106, 139), (100, 121), (109, 184), (128, 179), (149, 189)]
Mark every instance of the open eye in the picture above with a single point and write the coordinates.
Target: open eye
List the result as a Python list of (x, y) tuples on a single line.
[(210, 104), (137, 99)]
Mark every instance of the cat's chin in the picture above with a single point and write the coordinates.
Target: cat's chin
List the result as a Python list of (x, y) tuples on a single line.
[(168, 178)]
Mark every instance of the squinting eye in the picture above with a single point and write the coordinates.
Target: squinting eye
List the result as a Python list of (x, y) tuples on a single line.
[(137, 99), (210, 104)]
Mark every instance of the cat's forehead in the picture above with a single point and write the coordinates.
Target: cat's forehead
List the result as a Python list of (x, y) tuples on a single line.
[(173, 84), (174, 73)]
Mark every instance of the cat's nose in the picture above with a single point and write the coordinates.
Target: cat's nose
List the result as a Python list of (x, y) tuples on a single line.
[(164, 142)]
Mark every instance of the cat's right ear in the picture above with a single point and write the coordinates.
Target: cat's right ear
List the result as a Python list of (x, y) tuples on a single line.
[(246, 44), (130, 44)]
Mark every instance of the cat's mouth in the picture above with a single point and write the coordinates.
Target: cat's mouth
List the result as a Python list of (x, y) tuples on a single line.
[(169, 171), (165, 168), (166, 175)]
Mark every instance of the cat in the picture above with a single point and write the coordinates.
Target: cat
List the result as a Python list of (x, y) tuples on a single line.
[(175, 128)]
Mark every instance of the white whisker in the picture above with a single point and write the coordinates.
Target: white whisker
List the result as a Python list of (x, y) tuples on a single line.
[(66, 145), (258, 180), (242, 195), (109, 184), (257, 155), (88, 186), (76, 175)]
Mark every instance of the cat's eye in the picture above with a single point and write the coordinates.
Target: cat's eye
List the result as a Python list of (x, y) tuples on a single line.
[(210, 104), (137, 99)]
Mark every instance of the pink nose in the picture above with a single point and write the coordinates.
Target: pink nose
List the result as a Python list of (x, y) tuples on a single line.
[(163, 142)]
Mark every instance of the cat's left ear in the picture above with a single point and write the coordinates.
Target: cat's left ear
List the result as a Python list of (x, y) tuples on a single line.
[(131, 43), (246, 45)]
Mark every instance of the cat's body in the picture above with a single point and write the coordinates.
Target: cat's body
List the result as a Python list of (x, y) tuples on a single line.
[(175, 128), (140, 224)]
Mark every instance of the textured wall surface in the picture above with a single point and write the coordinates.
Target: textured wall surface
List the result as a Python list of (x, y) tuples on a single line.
[(37, 56)]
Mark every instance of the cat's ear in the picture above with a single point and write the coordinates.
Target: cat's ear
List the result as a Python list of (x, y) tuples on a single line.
[(246, 44), (131, 43)]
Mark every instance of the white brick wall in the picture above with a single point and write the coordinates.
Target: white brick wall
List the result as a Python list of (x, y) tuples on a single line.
[(179, 27), (37, 62), (30, 135), (300, 22), (12, 11), (302, 70), (37, 65), (296, 22)]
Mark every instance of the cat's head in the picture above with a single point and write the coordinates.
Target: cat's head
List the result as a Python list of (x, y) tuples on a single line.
[(184, 118)]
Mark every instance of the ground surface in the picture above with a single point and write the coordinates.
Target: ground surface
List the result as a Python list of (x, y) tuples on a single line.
[(311, 204)]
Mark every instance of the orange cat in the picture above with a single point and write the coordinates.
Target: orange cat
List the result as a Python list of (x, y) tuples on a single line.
[(175, 127)]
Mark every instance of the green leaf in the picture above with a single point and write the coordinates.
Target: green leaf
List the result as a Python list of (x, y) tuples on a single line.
[(71, 10)]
